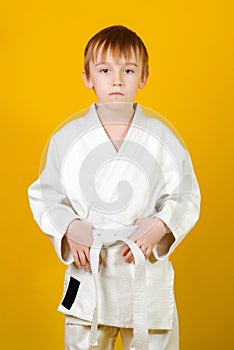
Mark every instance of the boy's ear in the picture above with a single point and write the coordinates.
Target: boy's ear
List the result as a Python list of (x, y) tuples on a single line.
[(143, 81), (88, 82)]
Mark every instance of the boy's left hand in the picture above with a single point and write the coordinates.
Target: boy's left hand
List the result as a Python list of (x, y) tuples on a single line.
[(148, 234)]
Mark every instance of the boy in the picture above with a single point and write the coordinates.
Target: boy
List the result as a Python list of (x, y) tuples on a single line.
[(117, 195)]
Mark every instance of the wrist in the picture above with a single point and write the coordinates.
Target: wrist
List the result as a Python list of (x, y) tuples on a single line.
[(71, 225), (163, 227)]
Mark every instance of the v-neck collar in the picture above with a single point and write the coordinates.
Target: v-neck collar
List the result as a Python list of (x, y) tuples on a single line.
[(105, 135)]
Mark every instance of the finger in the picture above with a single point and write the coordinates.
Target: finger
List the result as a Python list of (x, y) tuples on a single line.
[(76, 258), (83, 260), (128, 256), (87, 254), (148, 252), (73, 249), (125, 250), (143, 248)]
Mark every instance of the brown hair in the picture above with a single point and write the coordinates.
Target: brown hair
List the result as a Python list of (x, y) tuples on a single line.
[(121, 41)]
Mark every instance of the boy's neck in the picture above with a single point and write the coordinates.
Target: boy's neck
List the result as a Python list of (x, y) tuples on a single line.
[(115, 112)]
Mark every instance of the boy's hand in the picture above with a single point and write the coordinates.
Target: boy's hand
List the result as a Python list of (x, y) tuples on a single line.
[(80, 253), (148, 234), (79, 239)]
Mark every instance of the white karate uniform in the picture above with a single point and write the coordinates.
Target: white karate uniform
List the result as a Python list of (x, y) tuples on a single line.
[(86, 178), (77, 336)]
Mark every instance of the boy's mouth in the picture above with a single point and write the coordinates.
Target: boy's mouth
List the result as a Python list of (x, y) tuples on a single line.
[(116, 94)]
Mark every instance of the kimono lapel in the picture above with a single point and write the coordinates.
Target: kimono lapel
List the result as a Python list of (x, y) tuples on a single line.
[(138, 122), (115, 192), (111, 119)]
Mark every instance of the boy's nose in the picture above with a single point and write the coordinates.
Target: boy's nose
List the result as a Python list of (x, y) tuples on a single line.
[(117, 81)]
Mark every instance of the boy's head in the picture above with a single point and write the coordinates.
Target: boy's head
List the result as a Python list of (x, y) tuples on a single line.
[(115, 60)]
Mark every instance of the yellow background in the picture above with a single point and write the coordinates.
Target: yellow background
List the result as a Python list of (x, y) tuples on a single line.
[(191, 84)]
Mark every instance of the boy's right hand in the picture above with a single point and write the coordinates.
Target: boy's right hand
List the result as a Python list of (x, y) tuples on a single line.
[(79, 239), (80, 253)]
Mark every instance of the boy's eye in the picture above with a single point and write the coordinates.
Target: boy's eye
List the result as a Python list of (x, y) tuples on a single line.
[(104, 70), (128, 71)]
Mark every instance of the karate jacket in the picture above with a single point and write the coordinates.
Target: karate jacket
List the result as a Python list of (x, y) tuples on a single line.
[(86, 178)]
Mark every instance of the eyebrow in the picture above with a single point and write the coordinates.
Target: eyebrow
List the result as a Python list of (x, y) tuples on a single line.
[(125, 64)]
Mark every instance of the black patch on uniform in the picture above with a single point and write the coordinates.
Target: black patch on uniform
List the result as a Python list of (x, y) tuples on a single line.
[(71, 293)]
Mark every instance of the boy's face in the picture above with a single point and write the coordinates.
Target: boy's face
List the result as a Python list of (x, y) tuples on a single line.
[(115, 80)]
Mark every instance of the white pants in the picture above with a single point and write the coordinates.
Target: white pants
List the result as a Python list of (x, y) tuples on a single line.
[(77, 337)]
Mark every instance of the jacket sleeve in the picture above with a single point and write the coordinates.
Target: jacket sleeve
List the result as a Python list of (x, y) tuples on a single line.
[(49, 204), (179, 207)]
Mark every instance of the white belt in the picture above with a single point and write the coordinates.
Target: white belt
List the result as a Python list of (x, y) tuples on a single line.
[(105, 238)]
